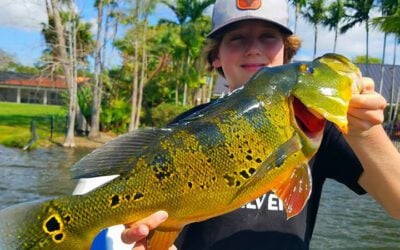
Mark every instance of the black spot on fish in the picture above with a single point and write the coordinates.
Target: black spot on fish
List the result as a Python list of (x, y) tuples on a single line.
[(162, 175), (209, 160), (138, 196), (127, 197), (249, 151), (244, 174), (52, 225), (249, 157), (237, 183), (231, 156), (229, 179), (59, 237), (190, 184), (252, 170), (214, 178), (67, 218), (114, 200), (258, 160)]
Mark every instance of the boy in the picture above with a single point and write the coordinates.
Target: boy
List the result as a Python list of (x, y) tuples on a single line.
[(248, 35)]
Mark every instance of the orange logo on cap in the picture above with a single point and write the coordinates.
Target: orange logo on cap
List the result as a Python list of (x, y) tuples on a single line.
[(248, 4)]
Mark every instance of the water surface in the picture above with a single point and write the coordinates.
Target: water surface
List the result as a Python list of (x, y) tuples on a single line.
[(30, 175), (345, 220)]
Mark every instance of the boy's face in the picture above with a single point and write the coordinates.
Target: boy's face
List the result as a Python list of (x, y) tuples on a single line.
[(248, 47)]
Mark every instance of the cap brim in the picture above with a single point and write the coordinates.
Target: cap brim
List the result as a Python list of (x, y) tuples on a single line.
[(215, 30)]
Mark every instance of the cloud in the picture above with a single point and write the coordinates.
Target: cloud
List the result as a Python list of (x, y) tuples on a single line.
[(23, 14)]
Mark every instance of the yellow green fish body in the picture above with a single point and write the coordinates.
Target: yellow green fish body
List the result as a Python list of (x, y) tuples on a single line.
[(257, 139)]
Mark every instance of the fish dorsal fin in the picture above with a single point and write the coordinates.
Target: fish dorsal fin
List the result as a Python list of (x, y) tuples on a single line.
[(212, 107), (162, 239), (116, 156)]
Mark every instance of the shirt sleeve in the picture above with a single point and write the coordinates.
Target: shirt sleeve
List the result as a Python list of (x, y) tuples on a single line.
[(338, 161)]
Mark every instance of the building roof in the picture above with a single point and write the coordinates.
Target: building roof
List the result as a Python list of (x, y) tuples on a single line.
[(373, 71), (27, 80)]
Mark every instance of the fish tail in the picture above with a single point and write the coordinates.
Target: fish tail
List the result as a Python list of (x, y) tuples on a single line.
[(40, 224)]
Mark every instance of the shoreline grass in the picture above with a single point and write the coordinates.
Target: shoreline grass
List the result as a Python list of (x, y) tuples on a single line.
[(16, 118)]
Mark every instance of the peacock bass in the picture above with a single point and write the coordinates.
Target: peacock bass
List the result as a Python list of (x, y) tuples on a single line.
[(256, 139)]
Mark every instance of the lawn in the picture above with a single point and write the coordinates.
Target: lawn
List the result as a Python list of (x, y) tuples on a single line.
[(16, 119)]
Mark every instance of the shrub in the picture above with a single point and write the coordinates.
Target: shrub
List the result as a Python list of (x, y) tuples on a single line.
[(165, 112)]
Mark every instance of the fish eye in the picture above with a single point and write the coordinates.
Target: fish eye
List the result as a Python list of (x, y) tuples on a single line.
[(305, 69)]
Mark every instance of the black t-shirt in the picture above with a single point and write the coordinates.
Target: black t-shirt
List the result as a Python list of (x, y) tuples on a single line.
[(262, 224)]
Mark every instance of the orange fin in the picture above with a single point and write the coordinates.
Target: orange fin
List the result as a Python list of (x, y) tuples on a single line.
[(162, 240), (295, 190)]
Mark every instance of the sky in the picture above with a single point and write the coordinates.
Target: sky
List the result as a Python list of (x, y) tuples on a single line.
[(21, 23)]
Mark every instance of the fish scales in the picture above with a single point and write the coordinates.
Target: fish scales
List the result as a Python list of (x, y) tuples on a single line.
[(253, 141)]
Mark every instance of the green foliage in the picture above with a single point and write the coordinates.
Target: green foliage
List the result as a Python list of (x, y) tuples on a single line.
[(85, 98), (6, 60), (363, 59), (116, 116), (358, 12), (165, 112), (314, 12), (335, 14), (390, 22)]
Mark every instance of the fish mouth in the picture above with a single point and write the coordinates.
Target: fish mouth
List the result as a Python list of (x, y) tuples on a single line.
[(309, 123)]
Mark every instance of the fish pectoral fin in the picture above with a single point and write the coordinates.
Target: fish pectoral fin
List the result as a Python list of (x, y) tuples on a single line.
[(117, 156), (295, 190), (160, 239)]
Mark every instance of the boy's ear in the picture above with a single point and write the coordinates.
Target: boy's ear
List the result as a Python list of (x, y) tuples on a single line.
[(216, 63)]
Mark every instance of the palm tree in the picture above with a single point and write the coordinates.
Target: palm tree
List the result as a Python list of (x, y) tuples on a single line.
[(388, 7), (359, 13), (335, 14), (391, 24), (95, 123), (187, 12), (65, 54), (314, 14), (298, 5)]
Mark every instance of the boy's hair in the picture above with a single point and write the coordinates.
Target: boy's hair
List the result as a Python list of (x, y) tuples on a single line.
[(292, 44)]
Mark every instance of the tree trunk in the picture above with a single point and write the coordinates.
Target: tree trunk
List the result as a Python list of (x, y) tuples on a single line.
[(383, 64), (392, 114), (367, 46), (315, 40), (335, 41), (68, 72), (95, 123), (134, 101), (142, 74), (296, 17)]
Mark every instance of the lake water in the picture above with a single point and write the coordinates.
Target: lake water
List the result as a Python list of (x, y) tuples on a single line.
[(345, 220)]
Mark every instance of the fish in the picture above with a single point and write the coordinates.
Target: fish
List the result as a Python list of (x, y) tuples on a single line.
[(258, 138)]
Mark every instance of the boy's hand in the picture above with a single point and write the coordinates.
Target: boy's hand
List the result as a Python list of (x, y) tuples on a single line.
[(365, 109), (137, 232)]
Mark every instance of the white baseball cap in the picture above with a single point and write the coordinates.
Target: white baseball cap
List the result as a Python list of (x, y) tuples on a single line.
[(226, 12)]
